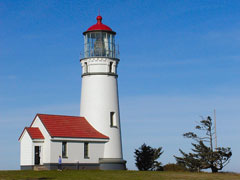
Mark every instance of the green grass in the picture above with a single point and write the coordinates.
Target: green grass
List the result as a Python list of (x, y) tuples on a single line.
[(112, 175)]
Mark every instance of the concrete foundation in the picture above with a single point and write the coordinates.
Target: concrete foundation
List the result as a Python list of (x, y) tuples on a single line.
[(73, 166), (104, 164), (26, 167), (112, 164)]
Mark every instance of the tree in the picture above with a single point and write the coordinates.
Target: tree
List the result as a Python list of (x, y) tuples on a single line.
[(146, 158), (203, 156)]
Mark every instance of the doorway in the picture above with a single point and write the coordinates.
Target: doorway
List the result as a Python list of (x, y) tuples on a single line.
[(37, 155)]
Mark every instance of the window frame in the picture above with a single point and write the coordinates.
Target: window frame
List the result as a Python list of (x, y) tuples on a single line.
[(111, 67), (85, 67), (86, 150), (64, 149), (113, 121)]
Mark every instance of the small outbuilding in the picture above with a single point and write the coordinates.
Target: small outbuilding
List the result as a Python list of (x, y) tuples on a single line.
[(72, 137)]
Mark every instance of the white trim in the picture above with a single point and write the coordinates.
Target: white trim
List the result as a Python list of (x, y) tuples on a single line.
[(79, 139), (24, 131), (38, 140)]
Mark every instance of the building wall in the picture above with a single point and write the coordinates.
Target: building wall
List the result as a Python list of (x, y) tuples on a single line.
[(50, 150), (26, 150), (45, 148), (75, 152)]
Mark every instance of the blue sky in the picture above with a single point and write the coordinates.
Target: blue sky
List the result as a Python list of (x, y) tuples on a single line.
[(179, 60)]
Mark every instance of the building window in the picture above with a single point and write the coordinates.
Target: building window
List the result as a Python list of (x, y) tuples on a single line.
[(113, 122), (64, 149), (86, 151)]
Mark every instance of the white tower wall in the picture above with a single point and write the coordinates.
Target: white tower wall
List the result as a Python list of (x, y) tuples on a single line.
[(99, 101)]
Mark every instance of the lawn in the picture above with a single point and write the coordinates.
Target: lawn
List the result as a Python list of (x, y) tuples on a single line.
[(112, 175)]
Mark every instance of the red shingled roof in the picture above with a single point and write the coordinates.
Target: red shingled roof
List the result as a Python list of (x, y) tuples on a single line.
[(34, 132), (69, 126)]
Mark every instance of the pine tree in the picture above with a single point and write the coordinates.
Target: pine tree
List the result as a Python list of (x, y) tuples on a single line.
[(146, 158), (203, 156)]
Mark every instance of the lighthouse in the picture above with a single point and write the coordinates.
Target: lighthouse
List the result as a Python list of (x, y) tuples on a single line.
[(99, 93), (93, 139)]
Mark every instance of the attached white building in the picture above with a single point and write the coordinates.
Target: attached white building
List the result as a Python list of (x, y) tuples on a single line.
[(71, 137), (92, 141)]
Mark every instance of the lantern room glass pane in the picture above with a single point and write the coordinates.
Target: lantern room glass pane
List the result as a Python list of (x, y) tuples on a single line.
[(99, 44)]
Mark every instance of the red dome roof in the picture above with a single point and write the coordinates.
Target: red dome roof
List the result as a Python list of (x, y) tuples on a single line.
[(99, 26)]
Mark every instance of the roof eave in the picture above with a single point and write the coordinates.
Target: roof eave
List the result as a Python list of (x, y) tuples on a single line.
[(82, 139), (22, 134)]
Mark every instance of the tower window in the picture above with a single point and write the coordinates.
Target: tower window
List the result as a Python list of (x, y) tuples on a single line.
[(110, 67), (64, 149), (85, 68), (113, 122), (86, 151)]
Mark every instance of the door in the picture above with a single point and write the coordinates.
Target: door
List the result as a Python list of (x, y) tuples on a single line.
[(37, 155)]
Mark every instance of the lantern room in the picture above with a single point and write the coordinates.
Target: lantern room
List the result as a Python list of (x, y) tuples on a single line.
[(99, 41)]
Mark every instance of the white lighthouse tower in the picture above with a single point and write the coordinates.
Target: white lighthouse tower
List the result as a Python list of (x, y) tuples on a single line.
[(99, 95)]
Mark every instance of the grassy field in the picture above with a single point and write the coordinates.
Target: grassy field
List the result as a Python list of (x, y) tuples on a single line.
[(112, 175)]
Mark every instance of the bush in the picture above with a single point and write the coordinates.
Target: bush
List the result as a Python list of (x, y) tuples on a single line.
[(146, 158)]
